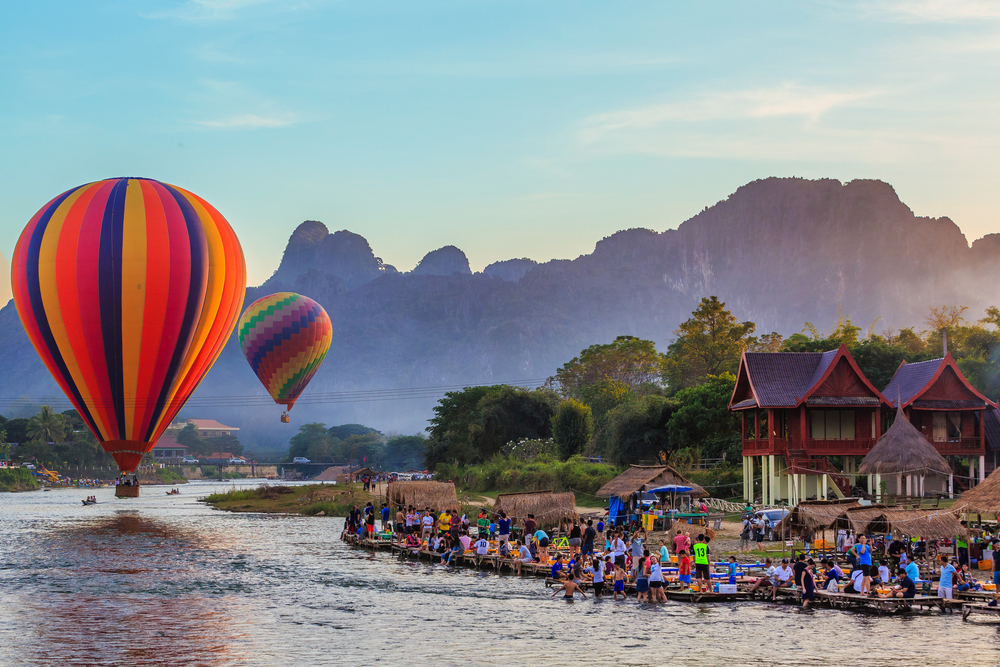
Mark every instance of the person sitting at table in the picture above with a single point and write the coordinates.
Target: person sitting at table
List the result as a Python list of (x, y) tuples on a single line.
[(853, 587), (522, 556), (967, 581), (557, 567), (907, 588), (766, 580), (832, 582), (782, 578)]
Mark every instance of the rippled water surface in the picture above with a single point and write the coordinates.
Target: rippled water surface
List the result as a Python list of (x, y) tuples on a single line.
[(167, 581)]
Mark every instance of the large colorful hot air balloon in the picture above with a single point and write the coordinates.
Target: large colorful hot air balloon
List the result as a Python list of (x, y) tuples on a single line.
[(285, 337), (128, 289)]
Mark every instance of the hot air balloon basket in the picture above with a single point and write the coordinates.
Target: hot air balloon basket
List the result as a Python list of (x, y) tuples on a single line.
[(284, 418), (126, 491)]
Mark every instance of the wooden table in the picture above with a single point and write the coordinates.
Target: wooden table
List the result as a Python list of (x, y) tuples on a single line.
[(974, 608)]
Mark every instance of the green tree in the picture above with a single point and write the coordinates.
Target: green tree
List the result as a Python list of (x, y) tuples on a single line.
[(346, 430), (572, 427), (47, 426), (703, 421), (405, 452), (628, 360), (512, 413), (709, 343), (312, 441), (224, 443), (196, 445), (449, 435), (637, 430)]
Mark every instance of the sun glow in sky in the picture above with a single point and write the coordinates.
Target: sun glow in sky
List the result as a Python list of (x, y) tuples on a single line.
[(509, 129)]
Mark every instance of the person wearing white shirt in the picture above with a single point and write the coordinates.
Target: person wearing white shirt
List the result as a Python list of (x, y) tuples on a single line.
[(782, 577), (482, 546), (857, 581), (618, 550)]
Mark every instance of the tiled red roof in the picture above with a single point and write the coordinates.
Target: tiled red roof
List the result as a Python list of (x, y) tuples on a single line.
[(780, 379), (910, 380), (211, 425), (166, 442)]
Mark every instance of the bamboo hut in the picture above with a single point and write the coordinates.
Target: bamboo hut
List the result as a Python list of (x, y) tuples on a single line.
[(903, 452), (814, 515), (550, 509), (423, 495), (983, 499), (624, 491), (926, 523)]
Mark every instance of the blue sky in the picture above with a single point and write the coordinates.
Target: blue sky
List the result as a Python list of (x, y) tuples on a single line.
[(509, 129)]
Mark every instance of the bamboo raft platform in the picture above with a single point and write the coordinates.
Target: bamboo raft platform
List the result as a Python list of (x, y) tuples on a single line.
[(846, 601), (974, 608)]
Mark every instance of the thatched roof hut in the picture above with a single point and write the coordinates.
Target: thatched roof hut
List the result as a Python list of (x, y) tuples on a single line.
[(984, 498), (549, 508), (423, 495), (813, 515), (642, 478), (902, 450), (927, 523)]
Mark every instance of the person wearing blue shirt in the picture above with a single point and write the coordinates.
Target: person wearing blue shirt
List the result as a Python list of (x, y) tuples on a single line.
[(732, 570), (863, 552), (912, 571), (503, 527), (557, 566), (947, 581)]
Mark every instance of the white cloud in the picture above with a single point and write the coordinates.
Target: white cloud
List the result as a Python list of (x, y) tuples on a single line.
[(934, 11), (245, 121), (786, 100)]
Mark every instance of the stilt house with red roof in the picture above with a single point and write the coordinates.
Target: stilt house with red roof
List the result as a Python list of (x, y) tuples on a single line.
[(798, 409), (946, 409)]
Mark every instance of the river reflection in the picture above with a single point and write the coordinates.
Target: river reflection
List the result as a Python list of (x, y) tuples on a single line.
[(167, 581)]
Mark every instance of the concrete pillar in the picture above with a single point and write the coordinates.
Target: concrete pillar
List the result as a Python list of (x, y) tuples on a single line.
[(823, 490), (921, 486), (899, 484), (770, 471), (972, 470), (795, 488), (951, 486), (870, 479), (909, 485), (982, 468), (878, 488), (763, 479)]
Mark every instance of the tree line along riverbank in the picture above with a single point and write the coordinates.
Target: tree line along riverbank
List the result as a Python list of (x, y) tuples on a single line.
[(17, 479)]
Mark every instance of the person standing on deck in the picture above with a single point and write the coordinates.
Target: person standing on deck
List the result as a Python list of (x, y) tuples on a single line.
[(996, 564), (618, 550), (530, 526), (444, 522), (702, 573), (863, 552), (589, 534), (503, 528), (385, 518), (946, 583)]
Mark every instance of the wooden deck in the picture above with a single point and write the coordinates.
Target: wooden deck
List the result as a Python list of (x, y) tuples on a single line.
[(970, 608)]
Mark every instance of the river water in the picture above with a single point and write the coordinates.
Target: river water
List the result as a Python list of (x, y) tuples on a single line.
[(166, 581)]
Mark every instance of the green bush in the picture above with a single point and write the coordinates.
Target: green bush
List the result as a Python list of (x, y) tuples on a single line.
[(506, 474)]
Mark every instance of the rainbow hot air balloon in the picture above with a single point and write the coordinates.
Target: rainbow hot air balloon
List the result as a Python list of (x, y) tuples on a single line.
[(285, 337), (128, 288)]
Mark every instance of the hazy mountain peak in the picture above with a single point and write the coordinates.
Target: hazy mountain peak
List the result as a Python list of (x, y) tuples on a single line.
[(443, 262)]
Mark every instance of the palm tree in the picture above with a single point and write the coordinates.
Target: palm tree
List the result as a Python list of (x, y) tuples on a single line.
[(47, 426)]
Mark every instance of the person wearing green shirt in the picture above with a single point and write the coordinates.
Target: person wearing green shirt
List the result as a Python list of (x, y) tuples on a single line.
[(702, 573), (483, 523), (963, 551)]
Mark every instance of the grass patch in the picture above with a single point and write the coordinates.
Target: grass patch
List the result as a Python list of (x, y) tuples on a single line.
[(17, 479), (170, 476), (333, 500), (545, 472)]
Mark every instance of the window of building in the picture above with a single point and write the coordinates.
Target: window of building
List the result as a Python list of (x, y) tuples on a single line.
[(832, 424), (947, 426)]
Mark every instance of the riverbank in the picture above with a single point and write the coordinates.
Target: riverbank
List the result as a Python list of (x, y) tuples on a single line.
[(311, 500), (17, 479)]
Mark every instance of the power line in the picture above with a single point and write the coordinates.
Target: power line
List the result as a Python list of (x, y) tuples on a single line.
[(319, 398)]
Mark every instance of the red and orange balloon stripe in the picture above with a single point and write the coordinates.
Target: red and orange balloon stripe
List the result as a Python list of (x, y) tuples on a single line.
[(128, 288)]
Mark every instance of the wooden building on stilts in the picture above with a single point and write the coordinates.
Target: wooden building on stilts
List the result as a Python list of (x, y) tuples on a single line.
[(947, 411), (802, 413), (809, 418)]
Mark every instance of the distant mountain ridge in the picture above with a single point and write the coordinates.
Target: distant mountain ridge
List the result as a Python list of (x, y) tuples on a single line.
[(778, 251)]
